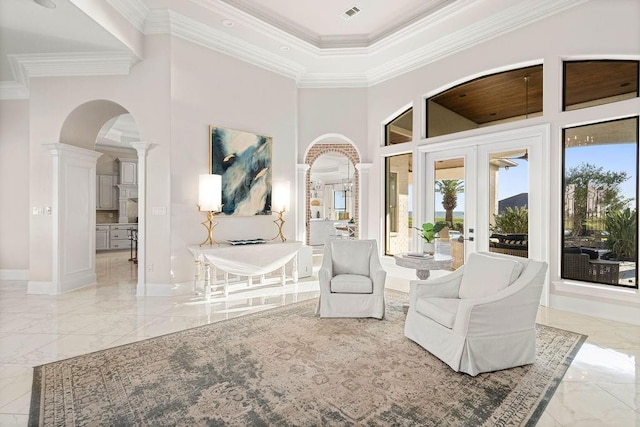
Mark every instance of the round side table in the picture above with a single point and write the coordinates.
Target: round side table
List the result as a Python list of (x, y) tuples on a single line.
[(424, 265)]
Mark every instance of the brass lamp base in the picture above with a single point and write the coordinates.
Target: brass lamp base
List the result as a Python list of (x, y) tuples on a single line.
[(280, 223), (210, 224)]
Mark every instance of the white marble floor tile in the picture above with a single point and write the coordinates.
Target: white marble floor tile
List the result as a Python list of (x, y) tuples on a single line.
[(13, 420), (15, 381), (13, 346), (65, 347), (587, 404), (629, 394)]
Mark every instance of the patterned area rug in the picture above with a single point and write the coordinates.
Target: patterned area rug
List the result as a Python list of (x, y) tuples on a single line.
[(286, 366)]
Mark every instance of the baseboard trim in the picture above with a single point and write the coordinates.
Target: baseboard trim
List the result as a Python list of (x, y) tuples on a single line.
[(14, 274)]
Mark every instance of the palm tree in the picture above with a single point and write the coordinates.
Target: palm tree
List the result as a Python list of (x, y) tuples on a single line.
[(449, 188)]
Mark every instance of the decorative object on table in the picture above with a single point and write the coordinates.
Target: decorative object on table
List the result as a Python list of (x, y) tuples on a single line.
[(351, 280), (210, 201), (262, 375), (246, 242), (420, 255), (428, 234), (468, 318), (244, 161), (281, 198)]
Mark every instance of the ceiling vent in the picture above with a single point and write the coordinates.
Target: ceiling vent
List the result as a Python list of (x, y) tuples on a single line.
[(350, 13)]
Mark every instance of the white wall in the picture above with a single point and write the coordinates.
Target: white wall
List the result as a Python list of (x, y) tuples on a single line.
[(14, 189), (337, 111), (225, 92)]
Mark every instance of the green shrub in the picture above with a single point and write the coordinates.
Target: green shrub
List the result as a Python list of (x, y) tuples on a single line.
[(512, 220), (622, 228)]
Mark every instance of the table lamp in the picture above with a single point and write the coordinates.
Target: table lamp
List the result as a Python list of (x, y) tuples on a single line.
[(280, 204), (210, 201)]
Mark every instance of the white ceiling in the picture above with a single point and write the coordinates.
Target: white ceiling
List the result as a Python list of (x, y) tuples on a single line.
[(323, 23), (306, 41)]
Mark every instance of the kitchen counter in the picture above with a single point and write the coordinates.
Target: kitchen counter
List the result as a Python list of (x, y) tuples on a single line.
[(116, 223)]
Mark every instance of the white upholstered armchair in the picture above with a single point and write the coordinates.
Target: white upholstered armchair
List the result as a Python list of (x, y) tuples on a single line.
[(481, 317), (351, 280)]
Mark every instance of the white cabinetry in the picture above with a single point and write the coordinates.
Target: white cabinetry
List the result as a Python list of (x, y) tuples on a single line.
[(106, 192), (128, 171), (114, 236), (102, 237)]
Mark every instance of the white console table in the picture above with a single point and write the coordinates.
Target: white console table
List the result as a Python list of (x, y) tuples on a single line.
[(244, 260)]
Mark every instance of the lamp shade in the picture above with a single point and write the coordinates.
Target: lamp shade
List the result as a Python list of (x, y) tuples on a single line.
[(210, 192), (281, 197)]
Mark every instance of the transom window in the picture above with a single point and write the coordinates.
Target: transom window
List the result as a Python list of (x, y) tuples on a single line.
[(591, 83), (485, 101)]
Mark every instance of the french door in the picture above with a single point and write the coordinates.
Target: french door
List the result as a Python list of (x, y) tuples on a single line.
[(491, 191)]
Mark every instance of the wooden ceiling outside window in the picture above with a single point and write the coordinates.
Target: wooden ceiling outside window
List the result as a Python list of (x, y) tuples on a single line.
[(497, 96)]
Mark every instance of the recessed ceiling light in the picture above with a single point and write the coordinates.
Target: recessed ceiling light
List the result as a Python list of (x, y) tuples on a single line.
[(49, 4), (285, 48), (227, 22)]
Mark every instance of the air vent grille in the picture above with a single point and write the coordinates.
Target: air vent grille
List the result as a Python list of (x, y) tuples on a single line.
[(350, 13)]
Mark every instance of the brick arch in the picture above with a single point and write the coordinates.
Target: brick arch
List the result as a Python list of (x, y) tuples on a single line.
[(317, 150)]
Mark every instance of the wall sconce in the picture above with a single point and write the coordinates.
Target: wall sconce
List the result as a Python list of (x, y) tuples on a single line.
[(280, 201), (210, 201)]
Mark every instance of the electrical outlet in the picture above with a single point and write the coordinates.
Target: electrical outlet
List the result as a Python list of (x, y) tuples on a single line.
[(150, 267), (110, 214), (35, 210), (47, 210)]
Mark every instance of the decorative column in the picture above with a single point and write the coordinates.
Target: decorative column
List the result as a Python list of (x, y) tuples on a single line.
[(363, 201), (142, 148), (302, 222)]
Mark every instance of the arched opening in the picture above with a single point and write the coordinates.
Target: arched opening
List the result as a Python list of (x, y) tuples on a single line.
[(102, 133), (333, 148)]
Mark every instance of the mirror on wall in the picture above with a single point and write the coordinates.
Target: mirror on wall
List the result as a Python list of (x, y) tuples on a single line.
[(332, 201)]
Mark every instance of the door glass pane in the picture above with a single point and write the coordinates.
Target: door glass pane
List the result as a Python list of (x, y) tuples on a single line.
[(398, 204), (508, 194), (449, 208), (600, 214)]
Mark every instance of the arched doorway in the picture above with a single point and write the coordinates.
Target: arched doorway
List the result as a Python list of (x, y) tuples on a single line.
[(339, 145), (75, 176)]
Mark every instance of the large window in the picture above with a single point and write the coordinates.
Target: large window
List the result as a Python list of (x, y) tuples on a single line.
[(590, 83), (485, 101), (600, 215)]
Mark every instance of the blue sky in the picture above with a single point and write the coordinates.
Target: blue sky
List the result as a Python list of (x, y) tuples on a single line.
[(615, 158)]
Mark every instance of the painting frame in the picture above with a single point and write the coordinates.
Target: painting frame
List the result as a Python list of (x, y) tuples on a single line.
[(244, 160)]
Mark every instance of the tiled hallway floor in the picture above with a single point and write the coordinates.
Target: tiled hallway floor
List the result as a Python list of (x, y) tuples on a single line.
[(602, 386)]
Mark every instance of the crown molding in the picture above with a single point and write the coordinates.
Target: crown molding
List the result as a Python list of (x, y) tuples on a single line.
[(74, 64), (26, 66), (134, 11), (521, 14), (13, 90), (333, 80), (165, 21), (175, 24)]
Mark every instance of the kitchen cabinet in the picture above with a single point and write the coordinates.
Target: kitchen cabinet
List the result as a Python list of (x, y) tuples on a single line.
[(114, 236), (128, 171), (102, 237), (106, 192)]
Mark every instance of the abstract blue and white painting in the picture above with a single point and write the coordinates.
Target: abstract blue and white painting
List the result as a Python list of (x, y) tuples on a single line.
[(244, 161)]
